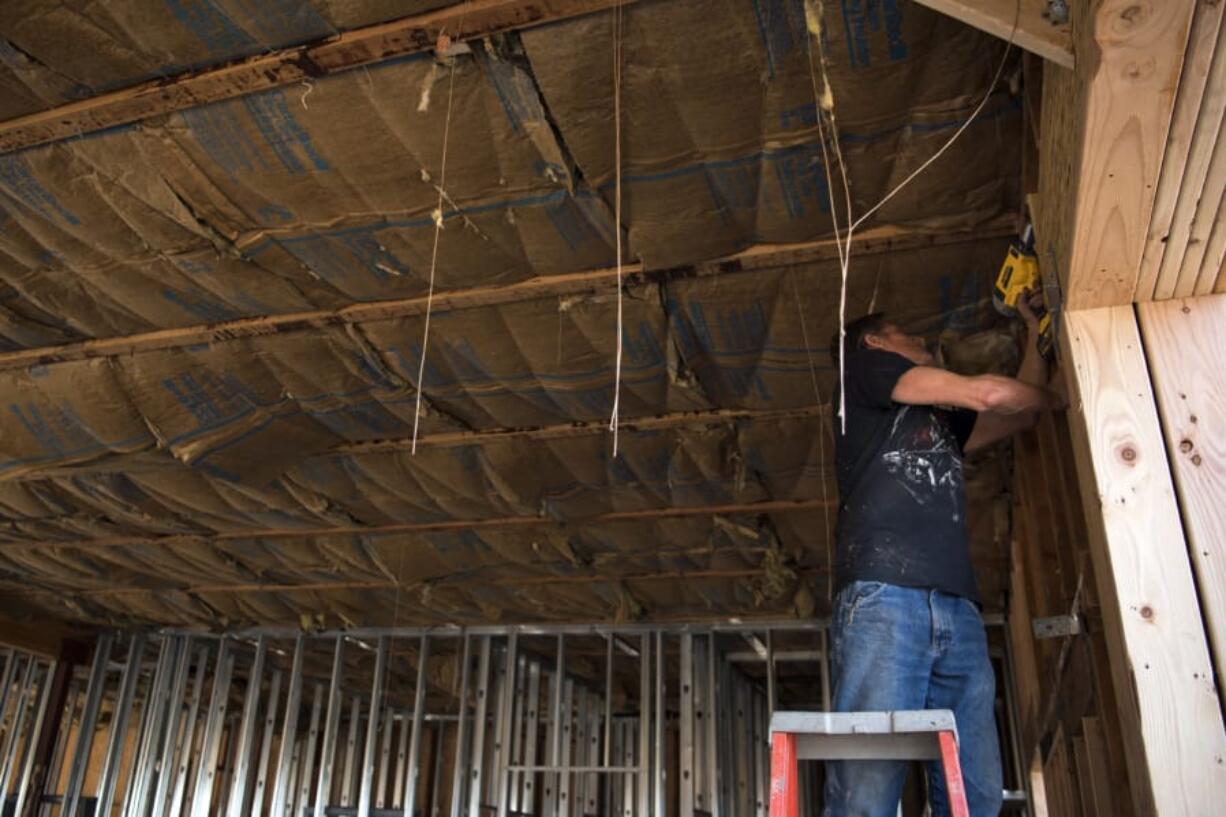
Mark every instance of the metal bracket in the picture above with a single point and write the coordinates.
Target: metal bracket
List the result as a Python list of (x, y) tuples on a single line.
[(1056, 626)]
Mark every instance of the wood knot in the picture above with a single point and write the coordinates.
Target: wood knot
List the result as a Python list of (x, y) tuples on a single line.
[(1128, 454), (1147, 613), (1139, 71), (1185, 446), (1196, 460)]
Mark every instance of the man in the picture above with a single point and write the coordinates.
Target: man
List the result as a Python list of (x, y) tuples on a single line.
[(906, 629)]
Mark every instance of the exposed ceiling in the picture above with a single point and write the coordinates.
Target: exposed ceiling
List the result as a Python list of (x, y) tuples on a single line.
[(164, 459)]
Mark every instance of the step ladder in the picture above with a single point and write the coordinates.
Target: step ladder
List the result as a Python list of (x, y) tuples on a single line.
[(924, 734)]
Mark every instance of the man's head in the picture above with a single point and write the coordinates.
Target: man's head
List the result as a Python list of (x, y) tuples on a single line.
[(875, 332)]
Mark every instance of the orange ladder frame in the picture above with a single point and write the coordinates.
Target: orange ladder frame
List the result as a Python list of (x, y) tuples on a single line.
[(926, 734)]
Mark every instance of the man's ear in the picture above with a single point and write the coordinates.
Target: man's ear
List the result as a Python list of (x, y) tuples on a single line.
[(873, 341)]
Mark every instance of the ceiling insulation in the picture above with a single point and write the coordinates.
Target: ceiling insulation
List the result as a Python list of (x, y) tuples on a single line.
[(265, 477)]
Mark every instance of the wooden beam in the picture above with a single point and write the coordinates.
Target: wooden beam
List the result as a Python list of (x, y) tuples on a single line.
[(470, 20), (1021, 21), (751, 508), (45, 638), (1103, 135), (1185, 342), (384, 584), (682, 419), (451, 439), (1173, 730), (871, 242)]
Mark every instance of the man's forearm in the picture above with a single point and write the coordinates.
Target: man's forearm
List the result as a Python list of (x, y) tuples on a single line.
[(1034, 366), (1006, 395)]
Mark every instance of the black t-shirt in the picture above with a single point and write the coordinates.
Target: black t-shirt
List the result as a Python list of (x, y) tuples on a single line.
[(902, 512)]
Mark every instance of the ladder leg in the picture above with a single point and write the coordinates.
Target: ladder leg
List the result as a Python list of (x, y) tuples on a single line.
[(954, 786), (785, 788)]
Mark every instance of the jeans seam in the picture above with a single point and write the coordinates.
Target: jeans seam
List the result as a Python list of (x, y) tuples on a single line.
[(863, 597)]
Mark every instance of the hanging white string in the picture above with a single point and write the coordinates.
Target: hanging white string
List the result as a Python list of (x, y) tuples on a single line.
[(825, 102), (438, 228), (617, 214)]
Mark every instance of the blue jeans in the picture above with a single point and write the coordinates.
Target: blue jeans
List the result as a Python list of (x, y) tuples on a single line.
[(908, 648)]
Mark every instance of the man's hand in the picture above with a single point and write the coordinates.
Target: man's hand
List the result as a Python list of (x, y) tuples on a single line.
[(1034, 367), (1028, 306)]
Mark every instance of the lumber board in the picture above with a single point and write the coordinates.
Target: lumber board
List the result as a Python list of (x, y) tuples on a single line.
[(1211, 278), (763, 256), (1172, 723), (1104, 133), (1185, 341), (1024, 662), (45, 638), (1112, 728), (1021, 21), (1097, 750), (1058, 778), (1209, 213), (1085, 784), (1039, 806), (1194, 129), (471, 20)]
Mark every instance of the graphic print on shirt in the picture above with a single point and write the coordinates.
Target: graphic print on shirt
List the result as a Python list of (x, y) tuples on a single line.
[(924, 458)]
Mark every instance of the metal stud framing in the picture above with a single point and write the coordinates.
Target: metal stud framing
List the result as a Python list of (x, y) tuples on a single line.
[(601, 723)]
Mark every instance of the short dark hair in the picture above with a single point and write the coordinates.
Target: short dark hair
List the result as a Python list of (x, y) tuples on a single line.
[(872, 324)]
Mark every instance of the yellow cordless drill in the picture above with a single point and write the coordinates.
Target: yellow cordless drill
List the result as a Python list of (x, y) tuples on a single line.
[(1018, 276)]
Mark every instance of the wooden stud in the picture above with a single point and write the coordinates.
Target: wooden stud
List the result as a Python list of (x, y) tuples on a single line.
[(1174, 736), (1101, 786)]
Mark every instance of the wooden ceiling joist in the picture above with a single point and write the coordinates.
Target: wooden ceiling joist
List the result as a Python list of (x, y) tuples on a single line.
[(682, 419), (451, 439), (362, 46), (1021, 21), (387, 584), (872, 241), (731, 509)]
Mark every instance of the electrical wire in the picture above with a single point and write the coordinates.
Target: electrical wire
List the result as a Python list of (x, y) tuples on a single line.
[(614, 419), (825, 104), (438, 229)]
